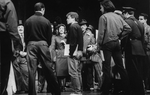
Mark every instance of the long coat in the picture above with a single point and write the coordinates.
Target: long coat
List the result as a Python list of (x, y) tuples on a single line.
[(135, 39)]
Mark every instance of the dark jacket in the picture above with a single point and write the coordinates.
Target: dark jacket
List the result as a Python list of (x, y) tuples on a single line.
[(37, 28), (75, 37), (9, 22), (135, 43)]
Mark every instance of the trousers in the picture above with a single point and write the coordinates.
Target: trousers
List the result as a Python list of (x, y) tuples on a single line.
[(38, 52), (113, 49), (5, 59)]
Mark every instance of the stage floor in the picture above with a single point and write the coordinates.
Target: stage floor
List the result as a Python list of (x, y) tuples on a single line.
[(68, 93)]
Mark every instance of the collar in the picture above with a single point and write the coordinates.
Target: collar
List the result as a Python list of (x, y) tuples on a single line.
[(131, 17), (38, 13)]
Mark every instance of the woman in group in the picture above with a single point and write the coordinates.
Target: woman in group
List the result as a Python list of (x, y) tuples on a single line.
[(57, 51)]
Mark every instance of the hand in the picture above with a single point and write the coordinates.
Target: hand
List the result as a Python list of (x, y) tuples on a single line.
[(22, 53), (62, 41), (79, 54), (16, 53)]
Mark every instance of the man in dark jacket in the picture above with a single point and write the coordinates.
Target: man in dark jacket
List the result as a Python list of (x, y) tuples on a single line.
[(134, 52), (8, 34), (37, 35)]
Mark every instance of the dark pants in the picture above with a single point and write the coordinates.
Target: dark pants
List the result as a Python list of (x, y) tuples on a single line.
[(5, 58), (134, 65), (87, 76), (38, 52), (147, 71), (21, 73), (113, 49)]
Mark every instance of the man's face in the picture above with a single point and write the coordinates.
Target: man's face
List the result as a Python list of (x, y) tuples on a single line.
[(102, 9), (83, 27), (21, 30), (69, 19), (142, 20)]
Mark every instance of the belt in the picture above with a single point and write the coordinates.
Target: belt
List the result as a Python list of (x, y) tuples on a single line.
[(37, 43), (135, 38)]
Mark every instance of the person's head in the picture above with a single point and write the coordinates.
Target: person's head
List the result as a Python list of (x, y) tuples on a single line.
[(21, 30), (84, 25), (61, 29), (106, 6), (128, 11), (90, 29), (143, 18), (39, 7), (72, 17)]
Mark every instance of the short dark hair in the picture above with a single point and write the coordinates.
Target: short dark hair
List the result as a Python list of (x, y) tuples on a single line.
[(73, 15), (38, 6), (144, 15), (108, 5)]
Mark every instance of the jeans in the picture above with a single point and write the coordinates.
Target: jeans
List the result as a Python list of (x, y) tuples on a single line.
[(74, 67), (113, 49)]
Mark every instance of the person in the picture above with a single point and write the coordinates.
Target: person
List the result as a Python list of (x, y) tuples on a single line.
[(143, 18), (87, 69), (84, 24), (21, 33), (110, 26), (10, 41), (57, 47), (134, 52), (20, 65), (37, 33), (75, 40)]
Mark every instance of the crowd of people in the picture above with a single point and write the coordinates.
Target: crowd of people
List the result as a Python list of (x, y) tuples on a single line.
[(116, 58)]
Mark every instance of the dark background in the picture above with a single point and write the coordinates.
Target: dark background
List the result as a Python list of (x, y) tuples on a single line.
[(56, 10)]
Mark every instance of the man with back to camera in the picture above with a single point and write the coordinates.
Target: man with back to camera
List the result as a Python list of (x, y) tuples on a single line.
[(143, 19), (8, 34), (110, 26), (37, 35)]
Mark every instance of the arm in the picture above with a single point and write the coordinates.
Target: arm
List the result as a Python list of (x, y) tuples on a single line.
[(101, 30), (52, 46), (11, 24), (80, 39), (126, 30), (49, 33)]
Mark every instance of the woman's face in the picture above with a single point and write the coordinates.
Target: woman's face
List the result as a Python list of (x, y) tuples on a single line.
[(61, 29)]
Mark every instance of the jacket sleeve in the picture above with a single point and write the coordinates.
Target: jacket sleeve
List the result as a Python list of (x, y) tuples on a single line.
[(12, 24), (49, 35), (80, 39), (101, 31), (52, 46), (126, 30)]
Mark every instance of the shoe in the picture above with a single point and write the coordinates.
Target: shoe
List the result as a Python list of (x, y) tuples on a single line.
[(79, 93), (91, 89)]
